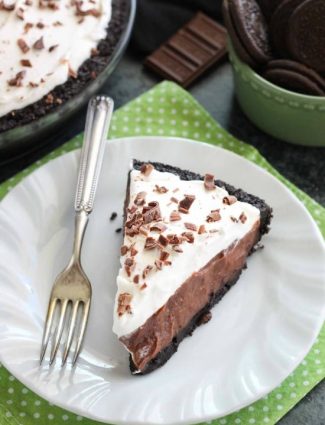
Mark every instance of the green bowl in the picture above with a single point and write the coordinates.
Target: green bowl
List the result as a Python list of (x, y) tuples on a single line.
[(289, 116)]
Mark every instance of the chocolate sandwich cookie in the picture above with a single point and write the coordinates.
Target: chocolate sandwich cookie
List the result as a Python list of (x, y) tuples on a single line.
[(298, 67), (279, 25), (238, 45), (291, 80), (251, 28), (306, 35)]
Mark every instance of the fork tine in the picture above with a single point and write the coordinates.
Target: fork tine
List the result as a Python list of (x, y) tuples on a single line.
[(48, 325), (58, 334), (83, 324), (72, 327)]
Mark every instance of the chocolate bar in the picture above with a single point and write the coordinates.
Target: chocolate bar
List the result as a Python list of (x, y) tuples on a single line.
[(191, 51)]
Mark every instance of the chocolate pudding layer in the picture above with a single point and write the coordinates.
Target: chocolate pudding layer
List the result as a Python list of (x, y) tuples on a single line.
[(192, 297)]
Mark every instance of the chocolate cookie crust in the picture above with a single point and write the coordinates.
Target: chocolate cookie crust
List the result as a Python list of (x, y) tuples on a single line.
[(88, 71)]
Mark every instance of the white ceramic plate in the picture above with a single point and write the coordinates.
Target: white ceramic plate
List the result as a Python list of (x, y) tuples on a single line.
[(258, 334)]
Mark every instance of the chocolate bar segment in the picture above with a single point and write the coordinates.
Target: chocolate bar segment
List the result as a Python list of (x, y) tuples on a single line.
[(192, 50)]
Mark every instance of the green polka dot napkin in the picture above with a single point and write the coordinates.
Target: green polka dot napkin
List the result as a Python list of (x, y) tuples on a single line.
[(168, 110)]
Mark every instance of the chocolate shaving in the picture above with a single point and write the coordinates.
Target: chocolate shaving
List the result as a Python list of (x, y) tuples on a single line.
[(28, 2), (123, 303), (143, 286), (189, 237), (27, 27), (209, 182), (129, 265), (89, 12), (57, 24), (33, 85), (26, 62), (174, 216), (234, 219), (163, 241), (158, 264), (40, 25), (242, 217), (17, 80), (150, 243), (143, 231), (201, 229), (23, 45), (39, 44), (158, 227), (190, 226), (177, 248), (140, 198), (213, 231), (132, 209), (160, 189), (174, 239), (20, 13), (164, 255), (133, 251), (124, 250), (185, 204), (214, 216), (7, 7), (146, 271), (173, 199), (229, 200), (136, 278), (53, 47), (151, 212), (146, 169)]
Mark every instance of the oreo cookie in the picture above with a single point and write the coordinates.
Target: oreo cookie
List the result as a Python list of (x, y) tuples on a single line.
[(279, 25), (298, 67), (251, 28), (292, 80), (238, 45), (306, 34)]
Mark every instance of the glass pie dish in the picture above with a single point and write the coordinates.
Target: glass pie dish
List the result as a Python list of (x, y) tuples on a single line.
[(24, 138)]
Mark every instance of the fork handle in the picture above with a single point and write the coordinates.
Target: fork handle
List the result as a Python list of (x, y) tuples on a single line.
[(99, 114)]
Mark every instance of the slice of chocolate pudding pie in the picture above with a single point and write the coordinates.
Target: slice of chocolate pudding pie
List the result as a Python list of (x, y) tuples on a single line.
[(186, 241)]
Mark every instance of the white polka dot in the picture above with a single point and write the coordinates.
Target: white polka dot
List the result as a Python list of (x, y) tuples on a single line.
[(251, 421), (149, 109), (292, 384), (161, 131), (184, 133), (36, 415), (50, 416), (79, 418), (196, 123), (125, 129), (149, 130), (22, 414), (279, 396), (319, 371), (185, 123), (137, 129), (137, 109), (174, 111), (172, 132), (173, 122), (293, 395), (161, 110), (196, 135), (237, 421), (126, 118), (76, 144), (316, 351), (265, 409), (305, 373), (38, 162), (150, 99), (9, 401), (266, 419), (317, 361), (185, 111), (219, 136), (208, 124), (304, 362), (8, 414), (11, 378), (173, 100), (223, 421), (208, 135), (37, 403), (251, 409), (161, 121), (279, 407), (24, 403), (10, 390), (197, 113), (149, 119), (162, 100), (65, 417), (306, 383)]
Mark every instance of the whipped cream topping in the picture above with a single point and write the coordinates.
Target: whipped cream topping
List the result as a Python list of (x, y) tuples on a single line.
[(42, 43), (214, 220)]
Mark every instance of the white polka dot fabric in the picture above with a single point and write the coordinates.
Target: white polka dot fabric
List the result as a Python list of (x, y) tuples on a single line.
[(168, 110)]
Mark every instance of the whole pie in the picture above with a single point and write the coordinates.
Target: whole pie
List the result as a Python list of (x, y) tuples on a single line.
[(186, 242), (50, 50)]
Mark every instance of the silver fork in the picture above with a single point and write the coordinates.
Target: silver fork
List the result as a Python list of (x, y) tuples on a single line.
[(72, 285)]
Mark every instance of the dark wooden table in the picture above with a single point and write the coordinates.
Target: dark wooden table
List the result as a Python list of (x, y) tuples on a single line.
[(303, 166)]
